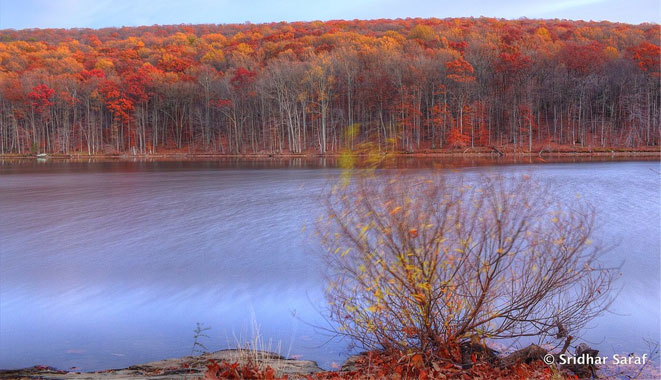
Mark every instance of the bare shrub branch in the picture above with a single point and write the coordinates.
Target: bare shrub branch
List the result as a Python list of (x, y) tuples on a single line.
[(420, 262)]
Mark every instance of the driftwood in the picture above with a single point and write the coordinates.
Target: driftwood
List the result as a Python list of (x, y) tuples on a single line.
[(498, 152), (524, 355), (584, 370), (535, 352)]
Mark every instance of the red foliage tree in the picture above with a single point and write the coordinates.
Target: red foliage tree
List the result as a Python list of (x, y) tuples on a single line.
[(459, 70), (41, 98), (648, 57), (456, 139), (583, 58)]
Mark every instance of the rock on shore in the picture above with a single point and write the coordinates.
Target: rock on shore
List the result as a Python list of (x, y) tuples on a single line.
[(188, 367)]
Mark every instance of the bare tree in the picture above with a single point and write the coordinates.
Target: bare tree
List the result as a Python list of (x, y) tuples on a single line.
[(422, 262)]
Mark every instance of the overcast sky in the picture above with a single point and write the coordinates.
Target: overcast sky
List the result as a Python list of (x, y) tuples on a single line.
[(20, 14)]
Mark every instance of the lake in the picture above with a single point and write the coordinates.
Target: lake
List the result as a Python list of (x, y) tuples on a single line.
[(108, 264)]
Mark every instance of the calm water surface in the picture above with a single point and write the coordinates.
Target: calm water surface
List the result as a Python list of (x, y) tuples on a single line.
[(104, 265)]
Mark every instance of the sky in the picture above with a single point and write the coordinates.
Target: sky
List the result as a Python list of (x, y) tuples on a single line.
[(22, 14)]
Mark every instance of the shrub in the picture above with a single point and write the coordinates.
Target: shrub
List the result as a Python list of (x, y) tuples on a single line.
[(420, 263)]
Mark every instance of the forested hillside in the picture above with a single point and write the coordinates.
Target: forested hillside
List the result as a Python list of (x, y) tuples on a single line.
[(406, 85)]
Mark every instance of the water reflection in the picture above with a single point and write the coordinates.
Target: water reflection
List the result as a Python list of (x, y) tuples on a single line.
[(111, 263)]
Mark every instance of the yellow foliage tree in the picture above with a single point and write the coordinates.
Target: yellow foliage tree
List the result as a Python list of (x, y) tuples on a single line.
[(421, 263)]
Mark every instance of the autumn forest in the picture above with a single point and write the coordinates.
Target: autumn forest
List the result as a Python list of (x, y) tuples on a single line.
[(412, 85)]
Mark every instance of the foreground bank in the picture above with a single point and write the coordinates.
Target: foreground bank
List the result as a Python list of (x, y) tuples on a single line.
[(477, 361), (176, 368)]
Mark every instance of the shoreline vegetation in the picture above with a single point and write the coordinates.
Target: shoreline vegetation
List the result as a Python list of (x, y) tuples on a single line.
[(652, 151)]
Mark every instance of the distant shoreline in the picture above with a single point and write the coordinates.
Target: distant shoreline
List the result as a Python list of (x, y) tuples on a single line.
[(481, 153)]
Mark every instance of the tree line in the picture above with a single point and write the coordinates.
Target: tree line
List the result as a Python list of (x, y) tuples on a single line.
[(404, 85)]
